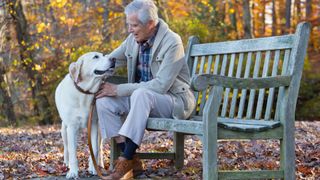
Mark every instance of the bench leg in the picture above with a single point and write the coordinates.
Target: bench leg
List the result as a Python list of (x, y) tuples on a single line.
[(210, 134), (114, 153), (178, 146), (287, 156), (210, 159)]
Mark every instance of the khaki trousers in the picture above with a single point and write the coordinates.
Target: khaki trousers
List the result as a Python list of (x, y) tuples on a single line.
[(137, 108)]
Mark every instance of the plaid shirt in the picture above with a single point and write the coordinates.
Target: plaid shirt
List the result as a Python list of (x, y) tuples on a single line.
[(143, 65)]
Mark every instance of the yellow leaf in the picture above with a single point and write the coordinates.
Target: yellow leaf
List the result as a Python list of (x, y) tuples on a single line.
[(100, 9), (70, 22), (63, 18), (65, 63), (41, 27), (68, 51), (26, 62), (231, 11), (15, 62), (37, 67), (59, 3), (36, 46), (204, 2)]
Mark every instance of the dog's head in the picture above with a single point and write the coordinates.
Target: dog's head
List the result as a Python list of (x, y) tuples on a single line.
[(90, 69)]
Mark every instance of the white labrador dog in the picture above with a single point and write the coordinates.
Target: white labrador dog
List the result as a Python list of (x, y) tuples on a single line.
[(73, 97)]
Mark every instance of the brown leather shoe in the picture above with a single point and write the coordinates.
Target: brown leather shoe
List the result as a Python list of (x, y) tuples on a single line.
[(123, 170), (137, 166)]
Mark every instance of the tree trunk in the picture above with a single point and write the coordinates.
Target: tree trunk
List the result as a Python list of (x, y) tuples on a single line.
[(263, 27), (220, 16), (308, 9), (247, 19), (6, 105), (105, 29), (254, 19), (298, 9), (274, 18), (215, 4), (218, 13), (233, 18), (288, 16), (41, 104), (281, 8)]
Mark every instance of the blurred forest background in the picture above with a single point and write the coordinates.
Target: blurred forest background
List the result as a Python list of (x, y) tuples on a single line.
[(40, 38)]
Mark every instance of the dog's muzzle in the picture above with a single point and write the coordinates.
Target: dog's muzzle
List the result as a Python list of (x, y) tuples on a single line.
[(100, 72), (108, 71)]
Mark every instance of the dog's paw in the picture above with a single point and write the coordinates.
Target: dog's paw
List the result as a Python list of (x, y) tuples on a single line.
[(92, 170), (72, 174)]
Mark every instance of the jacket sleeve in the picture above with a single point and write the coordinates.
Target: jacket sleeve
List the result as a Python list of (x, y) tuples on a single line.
[(119, 52), (169, 69)]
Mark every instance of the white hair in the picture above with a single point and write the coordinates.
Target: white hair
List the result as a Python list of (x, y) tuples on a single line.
[(146, 10)]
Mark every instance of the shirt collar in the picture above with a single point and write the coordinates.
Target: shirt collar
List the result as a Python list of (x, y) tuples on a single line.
[(150, 41)]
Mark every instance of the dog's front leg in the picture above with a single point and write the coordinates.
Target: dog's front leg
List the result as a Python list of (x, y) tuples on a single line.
[(94, 141), (72, 133), (65, 144), (100, 149)]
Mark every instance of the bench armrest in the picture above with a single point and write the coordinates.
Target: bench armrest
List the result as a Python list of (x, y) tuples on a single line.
[(117, 79), (201, 82)]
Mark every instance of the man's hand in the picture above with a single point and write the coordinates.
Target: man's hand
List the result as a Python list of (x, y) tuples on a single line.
[(106, 89)]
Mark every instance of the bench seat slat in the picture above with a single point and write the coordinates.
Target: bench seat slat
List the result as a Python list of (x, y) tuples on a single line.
[(247, 126), (223, 133), (195, 125), (177, 125)]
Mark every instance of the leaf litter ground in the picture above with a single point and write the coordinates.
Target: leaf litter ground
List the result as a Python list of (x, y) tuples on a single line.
[(37, 152)]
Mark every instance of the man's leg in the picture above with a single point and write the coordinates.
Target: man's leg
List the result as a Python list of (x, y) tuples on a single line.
[(143, 103), (110, 110)]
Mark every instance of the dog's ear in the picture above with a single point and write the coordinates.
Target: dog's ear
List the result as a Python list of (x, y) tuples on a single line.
[(75, 71)]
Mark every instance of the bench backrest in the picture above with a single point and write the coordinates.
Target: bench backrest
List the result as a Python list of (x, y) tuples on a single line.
[(261, 57)]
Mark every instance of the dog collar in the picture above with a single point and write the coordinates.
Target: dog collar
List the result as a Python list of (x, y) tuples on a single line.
[(81, 90)]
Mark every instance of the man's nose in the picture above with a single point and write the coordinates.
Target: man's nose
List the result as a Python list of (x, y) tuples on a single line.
[(130, 30)]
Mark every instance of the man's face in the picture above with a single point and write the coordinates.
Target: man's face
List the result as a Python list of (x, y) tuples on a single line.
[(139, 31)]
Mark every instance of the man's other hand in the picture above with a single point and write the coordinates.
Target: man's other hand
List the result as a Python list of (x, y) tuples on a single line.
[(106, 89)]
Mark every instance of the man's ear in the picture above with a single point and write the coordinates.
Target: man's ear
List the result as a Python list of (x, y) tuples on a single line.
[(151, 24), (75, 71)]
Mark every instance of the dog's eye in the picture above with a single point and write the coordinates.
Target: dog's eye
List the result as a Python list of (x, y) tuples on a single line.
[(96, 57)]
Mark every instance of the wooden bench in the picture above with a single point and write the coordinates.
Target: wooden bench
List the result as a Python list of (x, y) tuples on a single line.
[(245, 89)]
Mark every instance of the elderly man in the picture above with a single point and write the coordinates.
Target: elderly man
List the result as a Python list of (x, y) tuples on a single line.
[(158, 84)]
